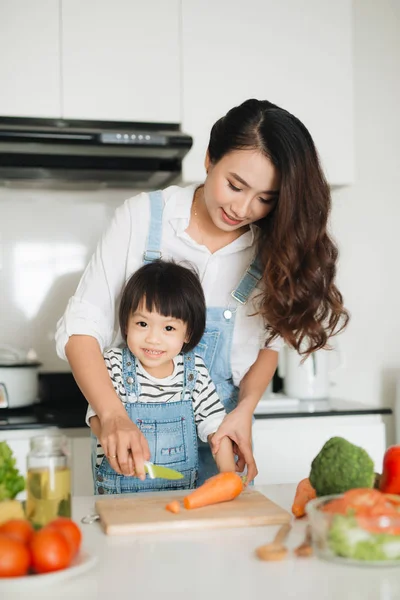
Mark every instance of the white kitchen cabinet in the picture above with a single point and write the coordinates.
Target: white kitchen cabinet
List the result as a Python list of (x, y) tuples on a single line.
[(285, 448), (295, 54), (30, 58), (121, 60)]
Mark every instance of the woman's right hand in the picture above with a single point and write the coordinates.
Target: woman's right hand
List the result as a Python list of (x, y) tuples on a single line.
[(124, 445)]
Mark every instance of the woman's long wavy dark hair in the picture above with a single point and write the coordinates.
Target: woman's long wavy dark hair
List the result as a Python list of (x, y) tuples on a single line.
[(301, 301)]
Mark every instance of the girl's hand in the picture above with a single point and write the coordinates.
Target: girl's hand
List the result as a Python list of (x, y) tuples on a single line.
[(124, 445), (237, 426), (225, 457)]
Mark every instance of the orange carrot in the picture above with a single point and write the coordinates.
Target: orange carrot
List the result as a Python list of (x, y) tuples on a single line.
[(219, 488), (173, 507), (304, 493)]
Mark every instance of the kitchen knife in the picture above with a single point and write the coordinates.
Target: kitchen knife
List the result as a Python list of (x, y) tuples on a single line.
[(161, 472)]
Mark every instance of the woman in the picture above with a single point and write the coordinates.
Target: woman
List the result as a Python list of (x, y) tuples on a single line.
[(257, 232)]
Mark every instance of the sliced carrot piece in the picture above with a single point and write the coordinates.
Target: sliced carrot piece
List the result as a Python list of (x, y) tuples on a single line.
[(173, 507)]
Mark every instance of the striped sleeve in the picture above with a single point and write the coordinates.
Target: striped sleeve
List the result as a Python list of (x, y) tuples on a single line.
[(113, 362), (209, 412)]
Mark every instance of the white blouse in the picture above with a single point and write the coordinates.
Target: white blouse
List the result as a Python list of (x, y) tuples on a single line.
[(93, 310)]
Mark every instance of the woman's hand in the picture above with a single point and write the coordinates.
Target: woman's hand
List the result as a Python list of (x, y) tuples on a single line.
[(124, 445), (237, 426)]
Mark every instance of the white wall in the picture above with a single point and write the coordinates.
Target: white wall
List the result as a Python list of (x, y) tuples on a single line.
[(366, 216), (47, 237)]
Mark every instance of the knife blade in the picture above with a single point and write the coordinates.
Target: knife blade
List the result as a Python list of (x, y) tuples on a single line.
[(161, 472)]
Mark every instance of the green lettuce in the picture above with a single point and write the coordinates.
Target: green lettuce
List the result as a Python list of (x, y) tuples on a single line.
[(11, 481)]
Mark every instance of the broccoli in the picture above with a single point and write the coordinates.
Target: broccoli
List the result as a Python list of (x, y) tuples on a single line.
[(11, 482), (341, 466), (347, 539)]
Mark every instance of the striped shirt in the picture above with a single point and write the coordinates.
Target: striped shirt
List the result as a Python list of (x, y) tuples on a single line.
[(208, 410)]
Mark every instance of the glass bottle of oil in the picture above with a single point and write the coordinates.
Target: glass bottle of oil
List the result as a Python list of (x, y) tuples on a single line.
[(48, 482)]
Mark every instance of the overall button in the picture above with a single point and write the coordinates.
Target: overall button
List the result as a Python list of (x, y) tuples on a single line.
[(100, 478), (191, 377), (227, 314), (101, 490), (128, 364), (129, 379)]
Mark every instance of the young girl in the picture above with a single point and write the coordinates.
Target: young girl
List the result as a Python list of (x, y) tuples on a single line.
[(256, 229), (164, 387)]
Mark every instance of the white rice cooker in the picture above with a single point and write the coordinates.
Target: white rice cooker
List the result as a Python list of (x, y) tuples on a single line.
[(18, 377)]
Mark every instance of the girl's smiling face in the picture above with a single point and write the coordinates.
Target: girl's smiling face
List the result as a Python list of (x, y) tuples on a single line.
[(240, 189), (155, 340)]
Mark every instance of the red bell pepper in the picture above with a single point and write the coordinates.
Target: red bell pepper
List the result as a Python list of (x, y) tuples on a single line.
[(390, 480)]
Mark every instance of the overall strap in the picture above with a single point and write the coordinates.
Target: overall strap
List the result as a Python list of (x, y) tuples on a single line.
[(153, 242), (129, 374), (248, 282), (190, 373)]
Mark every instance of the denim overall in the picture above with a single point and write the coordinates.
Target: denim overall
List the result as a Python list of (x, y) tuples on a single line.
[(216, 344), (169, 428)]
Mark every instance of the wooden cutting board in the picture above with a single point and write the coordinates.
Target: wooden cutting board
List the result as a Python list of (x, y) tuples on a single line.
[(146, 513)]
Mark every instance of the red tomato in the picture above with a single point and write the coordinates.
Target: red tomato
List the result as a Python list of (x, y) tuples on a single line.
[(19, 529), (380, 525), (364, 497), (50, 551), (336, 506), (362, 502), (393, 499), (371, 507), (366, 501), (15, 558), (70, 530)]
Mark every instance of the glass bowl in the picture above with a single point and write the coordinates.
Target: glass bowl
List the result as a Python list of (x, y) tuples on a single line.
[(357, 537)]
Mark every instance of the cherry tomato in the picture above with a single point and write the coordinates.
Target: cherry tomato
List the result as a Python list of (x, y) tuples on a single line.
[(19, 529), (50, 551), (70, 530), (15, 558)]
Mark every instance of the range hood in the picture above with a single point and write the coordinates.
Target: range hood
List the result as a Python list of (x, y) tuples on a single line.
[(90, 154)]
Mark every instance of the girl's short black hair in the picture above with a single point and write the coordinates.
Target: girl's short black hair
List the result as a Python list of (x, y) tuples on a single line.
[(169, 289)]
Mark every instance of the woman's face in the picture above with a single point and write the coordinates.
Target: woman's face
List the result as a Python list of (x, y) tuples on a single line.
[(240, 189)]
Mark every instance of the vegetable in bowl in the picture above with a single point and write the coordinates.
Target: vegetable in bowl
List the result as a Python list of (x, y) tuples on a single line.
[(348, 539), (361, 526)]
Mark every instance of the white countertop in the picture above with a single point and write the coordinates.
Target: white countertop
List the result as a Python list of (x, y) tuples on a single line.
[(218, 564)]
